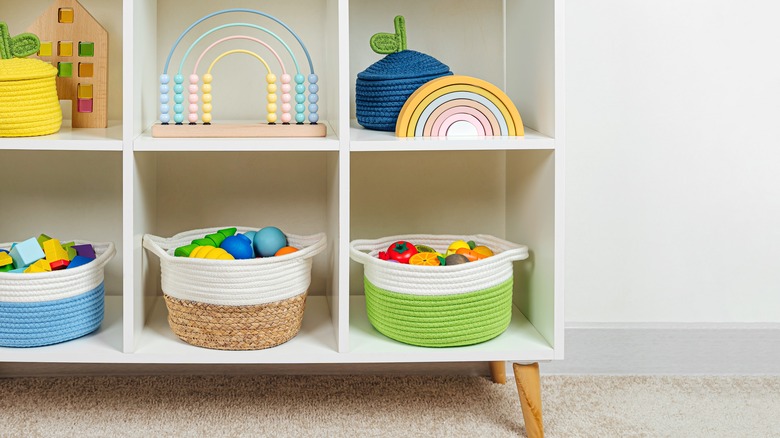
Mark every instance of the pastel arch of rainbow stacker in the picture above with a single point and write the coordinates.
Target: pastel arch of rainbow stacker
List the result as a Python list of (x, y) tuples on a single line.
[(271, 78), (458, 105)]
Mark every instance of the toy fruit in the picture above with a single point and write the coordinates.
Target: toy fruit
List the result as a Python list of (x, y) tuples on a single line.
[(210, 252), (286, 250), (455, 259), (239, 246), (424, 259), (269, 240), (424, 248), (470, 254), (456, 245), (484, 250), (401, 251), (383, 255)]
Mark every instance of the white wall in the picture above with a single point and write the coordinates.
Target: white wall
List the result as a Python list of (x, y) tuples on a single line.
[(673, 186)]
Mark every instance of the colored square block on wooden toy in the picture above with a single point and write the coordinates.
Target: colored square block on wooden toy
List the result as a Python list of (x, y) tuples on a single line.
[(46, 49), (26, 253), (86, 69), (85, 106), (65, 48), (86, 49), (37, 267), (85, 250), (78, 261), (65, 69), (65, 15), (85, 91)]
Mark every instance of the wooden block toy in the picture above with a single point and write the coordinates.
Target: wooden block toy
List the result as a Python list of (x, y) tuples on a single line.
[(42, 238), (70, 249), (6, 262), (17, 271), (71, 35), (56, 255), (7, 268), (26, 253), (78, 261), (85, 250), (37, 267)]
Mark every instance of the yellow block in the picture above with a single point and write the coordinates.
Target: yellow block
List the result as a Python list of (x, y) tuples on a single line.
[(54, 251), (85, 91), (65, 48), (45, 49), (39, 266), (5, 259)]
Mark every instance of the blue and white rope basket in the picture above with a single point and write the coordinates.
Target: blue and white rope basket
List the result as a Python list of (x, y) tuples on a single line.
[(52, 307)]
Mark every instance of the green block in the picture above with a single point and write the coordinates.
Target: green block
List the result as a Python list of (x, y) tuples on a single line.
[(6, 268), (184, 251), (227, 232), (65, 69), (70, 249), (42, 238), (204, 242), (86, 49)]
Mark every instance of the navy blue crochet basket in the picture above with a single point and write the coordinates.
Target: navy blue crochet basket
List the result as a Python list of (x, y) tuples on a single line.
[(52, 307), (382, 89)]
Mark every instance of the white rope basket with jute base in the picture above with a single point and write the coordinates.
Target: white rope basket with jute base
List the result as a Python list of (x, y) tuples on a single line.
[(235, 304)]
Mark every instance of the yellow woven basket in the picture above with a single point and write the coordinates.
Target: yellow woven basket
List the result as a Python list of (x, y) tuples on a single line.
[(29, 105)]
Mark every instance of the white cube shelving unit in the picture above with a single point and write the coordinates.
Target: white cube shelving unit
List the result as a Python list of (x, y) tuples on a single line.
[(349, 184)]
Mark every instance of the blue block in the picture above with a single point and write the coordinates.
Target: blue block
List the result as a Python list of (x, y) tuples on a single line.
[(17, 271), (26, 253), (78, 261)]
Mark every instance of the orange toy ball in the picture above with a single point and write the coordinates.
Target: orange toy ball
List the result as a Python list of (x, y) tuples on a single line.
[(285, 250)]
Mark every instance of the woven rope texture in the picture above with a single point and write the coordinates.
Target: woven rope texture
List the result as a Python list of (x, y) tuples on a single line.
[(29, 105)]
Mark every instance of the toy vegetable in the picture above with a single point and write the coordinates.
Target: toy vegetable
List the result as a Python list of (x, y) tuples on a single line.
[(401, 251)]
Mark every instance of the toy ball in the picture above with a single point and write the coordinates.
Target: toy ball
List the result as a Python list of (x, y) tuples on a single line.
[(285, 250), (268, 241), (250, 235), (239, 246)]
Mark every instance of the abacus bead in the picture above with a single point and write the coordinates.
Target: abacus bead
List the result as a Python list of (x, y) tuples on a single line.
[(165, 118), (300, 108), (286, 107), (193, 88), (193, 98), (193, 117), (313, 108), (194, 79), (272, 98), (207, 108), (206, 118), (300, 98), (164, 79), (207, 98), (286, 97), (206, 88), (271, 107), (299, 78), (270, 78), (178, 88), (313, 98), (178, 118), (164, 98), (300, 88), (271, 88), (179, 79), (286, 88), (193, 108), (207, 78), (271, 117), (164, 89), (286, 78), (286, 117), (178, 98), (313, 117), (300, 118), (165, 109), (313, 78), (178, 108), (314, 88)]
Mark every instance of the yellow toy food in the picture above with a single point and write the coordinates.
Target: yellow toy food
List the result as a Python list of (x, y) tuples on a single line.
[(210, 252), (456, 245)]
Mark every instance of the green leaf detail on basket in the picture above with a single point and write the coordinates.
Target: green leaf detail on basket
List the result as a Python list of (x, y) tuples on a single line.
[(386, 43), (20, 46)]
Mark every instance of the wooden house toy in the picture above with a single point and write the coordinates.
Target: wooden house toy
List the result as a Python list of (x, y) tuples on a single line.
[(77, 45)]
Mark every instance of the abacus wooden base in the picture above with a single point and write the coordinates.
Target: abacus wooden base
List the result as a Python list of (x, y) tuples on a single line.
[(227, 130)]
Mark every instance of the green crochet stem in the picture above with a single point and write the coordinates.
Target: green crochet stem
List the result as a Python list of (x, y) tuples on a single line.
[(387, 43), (20, 46), (440, 320)]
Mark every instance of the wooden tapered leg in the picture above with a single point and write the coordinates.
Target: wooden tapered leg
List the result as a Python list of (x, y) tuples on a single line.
[(498, 372), (530, 390)]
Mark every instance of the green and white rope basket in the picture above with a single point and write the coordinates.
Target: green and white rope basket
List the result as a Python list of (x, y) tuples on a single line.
[(439, 306)]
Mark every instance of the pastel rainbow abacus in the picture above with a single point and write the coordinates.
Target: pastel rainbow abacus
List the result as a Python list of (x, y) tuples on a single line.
[(199, 116), (458, 106)]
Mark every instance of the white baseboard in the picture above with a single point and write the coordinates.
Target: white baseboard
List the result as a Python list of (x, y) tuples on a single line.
[(658, 348)]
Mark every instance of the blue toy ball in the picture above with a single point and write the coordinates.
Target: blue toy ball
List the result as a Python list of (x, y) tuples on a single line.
[(239, 246), (269, 240)]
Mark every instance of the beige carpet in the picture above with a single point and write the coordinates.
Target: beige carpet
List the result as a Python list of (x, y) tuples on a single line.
[(360, 406)]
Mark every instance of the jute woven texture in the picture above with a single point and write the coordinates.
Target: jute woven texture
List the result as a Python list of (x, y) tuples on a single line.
[(236, 327), (29, 105)]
